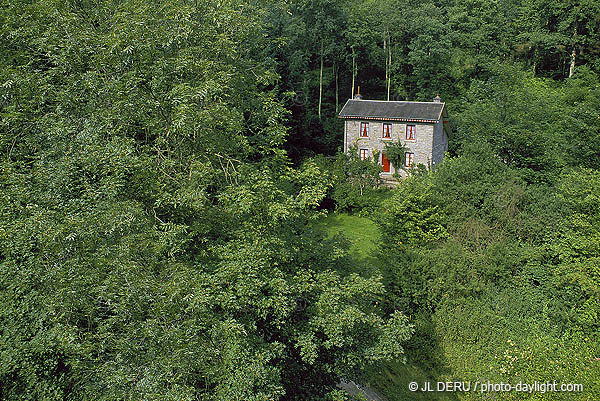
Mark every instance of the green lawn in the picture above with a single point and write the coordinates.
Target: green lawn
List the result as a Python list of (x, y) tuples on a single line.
[(362, 233)]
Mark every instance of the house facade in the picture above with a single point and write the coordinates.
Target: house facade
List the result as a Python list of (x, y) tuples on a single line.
[(421, 126)]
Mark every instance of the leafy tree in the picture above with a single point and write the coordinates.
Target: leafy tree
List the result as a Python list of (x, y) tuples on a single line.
[(309, 55), (581, 126), (411, 217), (522, 120), (559, 33), (156, 242)]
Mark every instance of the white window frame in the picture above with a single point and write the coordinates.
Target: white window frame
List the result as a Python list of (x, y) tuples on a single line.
[(360, 133), (383, 131), (414, 132)]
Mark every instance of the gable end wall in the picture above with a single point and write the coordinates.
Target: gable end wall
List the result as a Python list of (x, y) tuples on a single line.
[(440, 144)]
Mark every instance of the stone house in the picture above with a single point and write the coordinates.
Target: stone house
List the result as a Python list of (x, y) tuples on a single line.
[(421, 126)]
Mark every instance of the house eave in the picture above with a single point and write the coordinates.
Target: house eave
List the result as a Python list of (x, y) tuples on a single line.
[(410, 120), (442, 111)]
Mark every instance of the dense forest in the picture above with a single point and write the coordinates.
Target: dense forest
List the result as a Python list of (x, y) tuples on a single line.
[(167, 169)]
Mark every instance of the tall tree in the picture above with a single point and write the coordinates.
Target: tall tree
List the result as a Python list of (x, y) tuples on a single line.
[(155, 242), (556, 33)]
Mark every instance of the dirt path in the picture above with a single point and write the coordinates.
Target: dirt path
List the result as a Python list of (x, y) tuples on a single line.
[(356, 389)]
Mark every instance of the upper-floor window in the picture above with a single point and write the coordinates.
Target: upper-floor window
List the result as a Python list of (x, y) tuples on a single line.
[(409, 159), (387, 130), (411, 132), (385, 163), (364, 129), (363, 153)]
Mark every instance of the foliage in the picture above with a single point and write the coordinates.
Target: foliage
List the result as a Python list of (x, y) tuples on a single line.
[(356, 181), (508, 336), (396, 153), (155, 240), (511, 286), (410, 217)]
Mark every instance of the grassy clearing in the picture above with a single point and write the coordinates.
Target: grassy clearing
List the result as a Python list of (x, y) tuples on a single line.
[(362, 233)]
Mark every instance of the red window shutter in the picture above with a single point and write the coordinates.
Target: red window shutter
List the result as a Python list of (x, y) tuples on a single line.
[(410, 131), (385, 163), (386, 130), (364, 129)]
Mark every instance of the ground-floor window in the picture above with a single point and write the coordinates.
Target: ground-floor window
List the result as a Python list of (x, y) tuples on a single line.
[(409, 159), (364, 153)]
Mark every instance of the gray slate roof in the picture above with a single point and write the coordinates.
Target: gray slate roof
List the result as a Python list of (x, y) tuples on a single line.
[(380, 109)]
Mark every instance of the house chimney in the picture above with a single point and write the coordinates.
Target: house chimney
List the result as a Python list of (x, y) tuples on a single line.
[(358, 96), (437, 99)]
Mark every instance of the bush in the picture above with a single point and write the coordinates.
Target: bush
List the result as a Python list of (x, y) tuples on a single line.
[(356, 182)]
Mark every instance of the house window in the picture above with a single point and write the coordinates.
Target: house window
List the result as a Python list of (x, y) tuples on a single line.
[(385, 163), (364, 129), (363, 153), (411, 132), (387, 130), (409, 159)]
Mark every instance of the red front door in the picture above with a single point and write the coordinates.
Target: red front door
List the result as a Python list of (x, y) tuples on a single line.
[(385, 163)]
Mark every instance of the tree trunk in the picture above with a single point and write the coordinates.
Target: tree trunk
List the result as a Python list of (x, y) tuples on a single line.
[(573, 54), (321, 82), (389, 83), (337, 96), (572, 67), (386, 62), (353, 72)]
